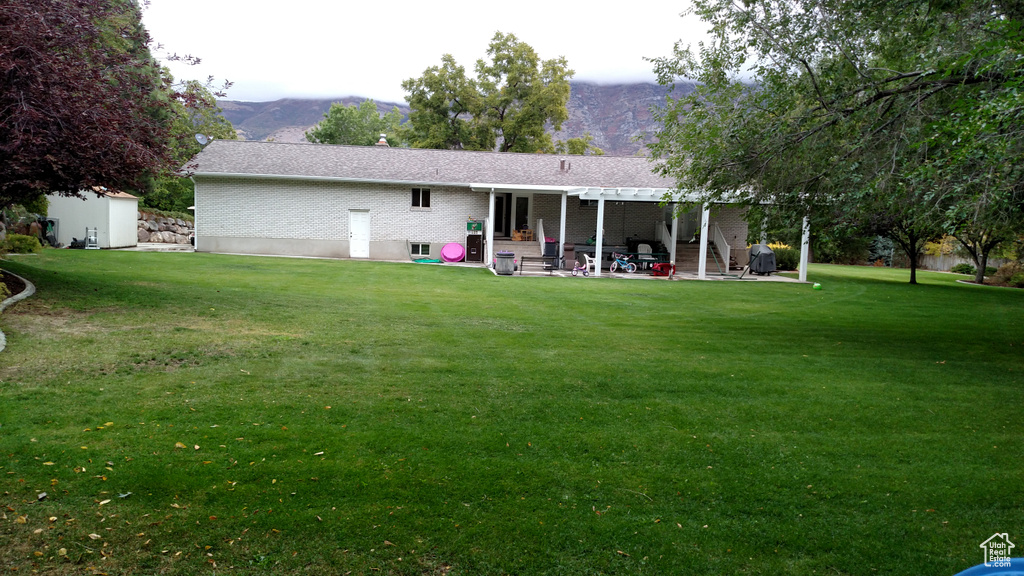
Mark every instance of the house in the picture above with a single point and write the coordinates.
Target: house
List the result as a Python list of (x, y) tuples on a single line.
[(386, 203), (997, 549), (113, 214)]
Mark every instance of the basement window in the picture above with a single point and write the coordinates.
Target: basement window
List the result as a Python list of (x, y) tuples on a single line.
[(420, 249), (421, 197)]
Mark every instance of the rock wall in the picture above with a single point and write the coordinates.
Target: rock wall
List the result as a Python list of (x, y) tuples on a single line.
[(153, 228)]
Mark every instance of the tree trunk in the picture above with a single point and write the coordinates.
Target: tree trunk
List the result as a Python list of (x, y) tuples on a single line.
[(982, 262), (913, 255)]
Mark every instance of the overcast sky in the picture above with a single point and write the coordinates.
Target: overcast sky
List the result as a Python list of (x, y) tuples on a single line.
[(331, 48)]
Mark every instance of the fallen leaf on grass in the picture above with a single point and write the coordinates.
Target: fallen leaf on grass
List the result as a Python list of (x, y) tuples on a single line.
[(95, 536), (179, 445), (105, 502), (21, 520), (621, 553)]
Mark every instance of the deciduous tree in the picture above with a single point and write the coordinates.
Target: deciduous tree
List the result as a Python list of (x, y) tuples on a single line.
[(887, 110), (193, 111), (356, 125), (508, 107), (81, 100)]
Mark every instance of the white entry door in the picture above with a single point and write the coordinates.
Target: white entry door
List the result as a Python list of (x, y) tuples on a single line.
[(359, 233)]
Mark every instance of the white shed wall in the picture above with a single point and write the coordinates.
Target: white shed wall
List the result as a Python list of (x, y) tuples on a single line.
[(124, 220), (76, 215), (115, 219)]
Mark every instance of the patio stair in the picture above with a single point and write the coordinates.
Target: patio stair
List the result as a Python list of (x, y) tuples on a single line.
[(516, 247), (687, 258)]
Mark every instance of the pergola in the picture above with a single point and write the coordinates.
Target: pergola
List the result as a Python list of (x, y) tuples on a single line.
[(602, 195)]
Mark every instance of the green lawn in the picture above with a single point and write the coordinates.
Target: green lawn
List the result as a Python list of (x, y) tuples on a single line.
[(279, 416)]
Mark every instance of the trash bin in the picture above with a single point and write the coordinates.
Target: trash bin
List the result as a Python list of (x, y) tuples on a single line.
[(505, 264), (569, 254)]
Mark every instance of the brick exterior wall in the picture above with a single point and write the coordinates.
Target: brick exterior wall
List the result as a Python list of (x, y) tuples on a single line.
[(620, 220), (256, 212), (730, 221), (301, 209)]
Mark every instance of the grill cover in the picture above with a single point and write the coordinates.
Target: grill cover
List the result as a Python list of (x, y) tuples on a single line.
[(762, 259)]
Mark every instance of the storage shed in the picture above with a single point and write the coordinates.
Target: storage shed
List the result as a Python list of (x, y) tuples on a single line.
[(113, 214)]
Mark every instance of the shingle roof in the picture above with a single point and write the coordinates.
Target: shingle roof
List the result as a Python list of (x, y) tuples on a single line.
[(459, 167)]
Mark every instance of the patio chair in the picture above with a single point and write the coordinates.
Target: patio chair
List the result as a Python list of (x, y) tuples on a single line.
[(643, 255), (591, 263)]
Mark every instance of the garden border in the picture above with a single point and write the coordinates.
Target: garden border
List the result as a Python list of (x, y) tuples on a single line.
[(29, 290)]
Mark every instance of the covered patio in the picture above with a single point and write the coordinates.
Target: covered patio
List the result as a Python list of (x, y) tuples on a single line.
[(663, 230)]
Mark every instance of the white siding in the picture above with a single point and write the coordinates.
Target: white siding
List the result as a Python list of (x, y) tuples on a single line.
[(124, 230), (233, 210)]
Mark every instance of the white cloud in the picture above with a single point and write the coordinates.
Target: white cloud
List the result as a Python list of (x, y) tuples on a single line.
[(306, 48)]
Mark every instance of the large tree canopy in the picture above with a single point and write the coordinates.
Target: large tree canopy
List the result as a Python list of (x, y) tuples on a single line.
[(900, 115), (81, 100), (355, 125), (193, 111), (508, 107)]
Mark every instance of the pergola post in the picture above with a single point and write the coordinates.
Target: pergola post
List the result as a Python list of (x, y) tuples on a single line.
[(561, 230), (675, 234), (805, 248), (702, 263), (489, 251), (599, 236)]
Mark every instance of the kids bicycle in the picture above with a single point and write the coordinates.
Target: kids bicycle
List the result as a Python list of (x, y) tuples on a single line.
[(576, 268), (621, 262)]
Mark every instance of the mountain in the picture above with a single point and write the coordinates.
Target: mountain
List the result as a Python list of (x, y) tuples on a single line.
[(616, 115)]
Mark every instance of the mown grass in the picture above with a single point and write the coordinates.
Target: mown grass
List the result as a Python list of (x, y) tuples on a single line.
[(275, 416)]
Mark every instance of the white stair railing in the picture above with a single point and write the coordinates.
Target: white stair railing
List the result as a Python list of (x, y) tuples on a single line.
[(723, 248)]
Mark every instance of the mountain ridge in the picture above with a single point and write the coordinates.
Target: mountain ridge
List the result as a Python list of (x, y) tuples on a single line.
[(618, 116)]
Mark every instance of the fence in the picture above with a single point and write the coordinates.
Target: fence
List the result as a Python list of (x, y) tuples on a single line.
[(947, 261)]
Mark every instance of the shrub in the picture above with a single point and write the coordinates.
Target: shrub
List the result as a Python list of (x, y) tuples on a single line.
[(964, 268), (1006, 273), (1017, 280), (989, 270), (787, 258), (21, 244)]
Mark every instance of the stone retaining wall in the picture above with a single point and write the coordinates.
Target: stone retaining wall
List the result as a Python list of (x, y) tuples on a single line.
[(153, 228)]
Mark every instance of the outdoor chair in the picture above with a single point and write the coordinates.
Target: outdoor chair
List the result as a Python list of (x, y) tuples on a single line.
[(591, 263), (643, 255)]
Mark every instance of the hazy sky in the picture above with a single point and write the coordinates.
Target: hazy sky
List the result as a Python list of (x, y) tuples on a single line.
[(323, 48)]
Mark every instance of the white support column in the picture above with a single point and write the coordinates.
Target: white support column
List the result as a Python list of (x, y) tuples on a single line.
[(675, 234), (561, 229), (599, 244), (489, 251), (702, 258), (805, 249)]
